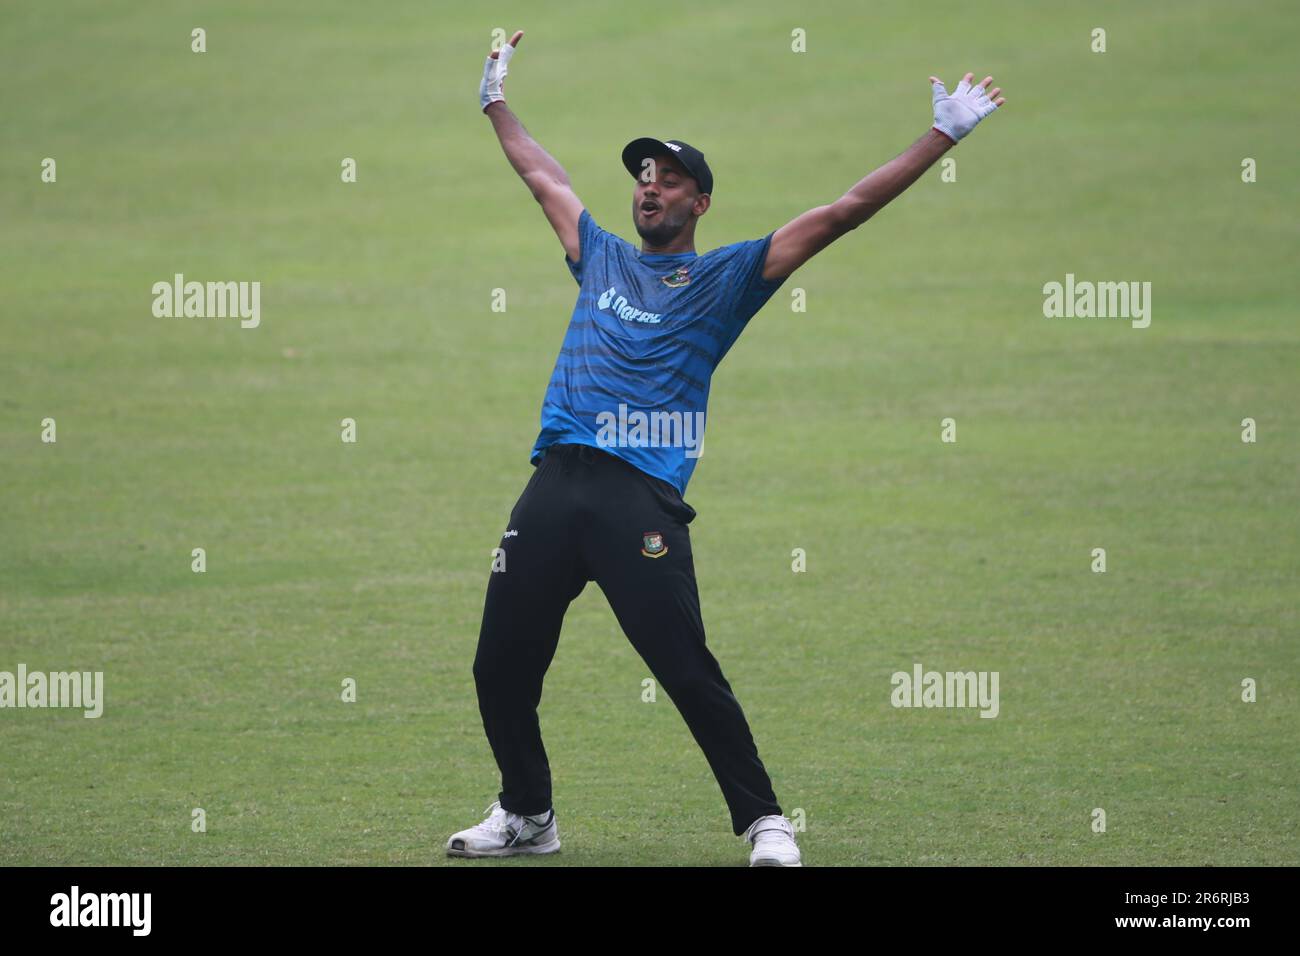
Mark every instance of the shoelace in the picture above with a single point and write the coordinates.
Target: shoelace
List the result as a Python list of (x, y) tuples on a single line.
[(502, 819)]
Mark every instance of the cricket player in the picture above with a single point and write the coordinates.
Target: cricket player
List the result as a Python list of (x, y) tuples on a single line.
[(622, 423)]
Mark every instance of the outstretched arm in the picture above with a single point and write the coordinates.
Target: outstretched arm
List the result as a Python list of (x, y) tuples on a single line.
[(544, 177), (954, 116)]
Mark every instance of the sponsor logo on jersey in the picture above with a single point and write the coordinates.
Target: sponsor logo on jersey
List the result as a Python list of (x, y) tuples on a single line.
[(652, 544), (610, 299), (678, 279)]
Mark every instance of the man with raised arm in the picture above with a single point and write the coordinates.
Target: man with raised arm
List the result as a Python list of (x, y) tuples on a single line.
[(622, 428)]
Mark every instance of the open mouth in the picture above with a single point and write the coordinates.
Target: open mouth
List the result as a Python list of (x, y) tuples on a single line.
[(649, 208)]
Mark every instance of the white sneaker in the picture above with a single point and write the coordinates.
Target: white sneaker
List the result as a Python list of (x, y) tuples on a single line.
[(773, 839), (505, 834)]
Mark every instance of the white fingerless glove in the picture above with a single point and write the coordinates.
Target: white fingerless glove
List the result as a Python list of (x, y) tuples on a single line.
[(494, 76), (957, 113)]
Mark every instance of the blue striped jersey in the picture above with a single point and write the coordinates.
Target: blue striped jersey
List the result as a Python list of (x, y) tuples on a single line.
[(632, 377)]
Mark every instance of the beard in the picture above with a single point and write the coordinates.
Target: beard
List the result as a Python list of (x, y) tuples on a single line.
[(667, 226)]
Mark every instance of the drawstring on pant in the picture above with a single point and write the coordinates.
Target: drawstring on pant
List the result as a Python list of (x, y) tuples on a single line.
[(567, 453)]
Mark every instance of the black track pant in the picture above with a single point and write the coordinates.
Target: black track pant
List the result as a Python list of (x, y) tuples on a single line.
[(585, 516)]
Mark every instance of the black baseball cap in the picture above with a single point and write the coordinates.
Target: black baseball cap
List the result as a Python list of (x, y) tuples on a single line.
[(686, 154)]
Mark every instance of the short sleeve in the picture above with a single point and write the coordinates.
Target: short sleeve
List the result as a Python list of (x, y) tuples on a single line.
[(590, 239), (752, 290)]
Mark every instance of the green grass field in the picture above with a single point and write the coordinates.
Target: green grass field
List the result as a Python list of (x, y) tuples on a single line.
[(328, 560)]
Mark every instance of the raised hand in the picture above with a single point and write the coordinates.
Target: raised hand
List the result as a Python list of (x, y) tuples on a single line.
[(491, 89), (957, 113)]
